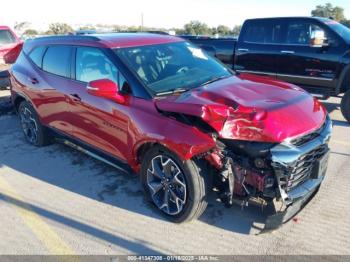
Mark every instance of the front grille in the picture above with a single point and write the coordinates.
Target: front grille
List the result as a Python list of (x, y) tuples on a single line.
[(306, 138), (300, 170)]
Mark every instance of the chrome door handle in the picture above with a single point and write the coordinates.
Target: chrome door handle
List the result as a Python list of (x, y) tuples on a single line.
[(287, 52), (92, 88)]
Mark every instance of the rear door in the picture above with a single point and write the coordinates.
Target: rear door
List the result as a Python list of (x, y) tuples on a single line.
[(258, 47), (47, 84), (304, 65)]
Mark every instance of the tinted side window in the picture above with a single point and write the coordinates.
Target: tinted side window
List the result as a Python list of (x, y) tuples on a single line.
[(57, 60), (6, 37), (299, 32), (37, 55), (92, 64), (263, 32)]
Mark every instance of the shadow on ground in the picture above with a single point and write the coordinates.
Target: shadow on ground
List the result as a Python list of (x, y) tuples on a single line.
[(88, 229), (83, 175)]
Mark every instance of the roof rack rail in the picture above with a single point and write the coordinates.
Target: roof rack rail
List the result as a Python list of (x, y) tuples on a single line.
[(69, 37), (136, 31)]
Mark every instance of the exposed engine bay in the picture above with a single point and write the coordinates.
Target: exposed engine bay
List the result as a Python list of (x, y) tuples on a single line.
[(285, 175)]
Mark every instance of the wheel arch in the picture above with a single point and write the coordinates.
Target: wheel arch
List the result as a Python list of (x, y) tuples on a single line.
[(141, 149), (344, 81), (18, 100)]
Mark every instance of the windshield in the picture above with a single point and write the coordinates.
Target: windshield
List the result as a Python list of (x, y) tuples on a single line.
[(167, 68), (339, 28)]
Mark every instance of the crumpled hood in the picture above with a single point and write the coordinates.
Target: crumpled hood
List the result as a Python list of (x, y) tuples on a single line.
[(249, 107)]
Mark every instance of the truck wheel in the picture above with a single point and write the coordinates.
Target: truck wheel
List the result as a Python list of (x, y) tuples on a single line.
[(34, 132), (345, 105), (177, 188)]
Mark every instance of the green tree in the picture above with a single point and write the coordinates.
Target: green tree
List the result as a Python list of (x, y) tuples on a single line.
[(87, 27), (134, 28), (30, 32), (236, 30), (327, 10), (179, 31), (197, 28), (59, 29), (223, 30)]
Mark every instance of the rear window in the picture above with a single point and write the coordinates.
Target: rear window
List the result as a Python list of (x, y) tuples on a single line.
[(57, 60), (6, 37), (262, 32), (37, 55)]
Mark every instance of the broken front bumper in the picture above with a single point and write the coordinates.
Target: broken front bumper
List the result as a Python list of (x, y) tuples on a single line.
[(276, 220), (300, 170)]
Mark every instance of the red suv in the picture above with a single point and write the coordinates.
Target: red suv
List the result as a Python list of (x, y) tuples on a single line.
[(159, 106)]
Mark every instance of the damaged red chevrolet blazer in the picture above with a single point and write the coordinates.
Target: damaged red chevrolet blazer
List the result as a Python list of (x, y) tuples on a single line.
[(159, 106)]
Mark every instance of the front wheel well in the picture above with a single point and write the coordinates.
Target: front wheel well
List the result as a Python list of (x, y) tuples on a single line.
[(141, 151)]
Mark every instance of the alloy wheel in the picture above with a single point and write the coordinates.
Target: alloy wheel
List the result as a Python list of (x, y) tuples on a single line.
[(167, 185), (29, 125)]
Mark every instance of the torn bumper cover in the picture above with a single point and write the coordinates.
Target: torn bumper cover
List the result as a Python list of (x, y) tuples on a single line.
[(299, 170), (307, 192)]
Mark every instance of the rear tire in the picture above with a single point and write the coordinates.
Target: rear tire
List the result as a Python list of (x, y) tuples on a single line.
[(345, 105), (181, 183), (34, 132)]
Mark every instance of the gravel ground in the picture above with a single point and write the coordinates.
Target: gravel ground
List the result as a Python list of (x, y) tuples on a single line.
[(55, 200)]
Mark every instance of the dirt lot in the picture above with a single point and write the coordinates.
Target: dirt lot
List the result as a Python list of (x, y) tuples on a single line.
[(54, 200)]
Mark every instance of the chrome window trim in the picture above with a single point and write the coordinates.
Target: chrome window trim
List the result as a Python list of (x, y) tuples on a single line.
[(285, 75)]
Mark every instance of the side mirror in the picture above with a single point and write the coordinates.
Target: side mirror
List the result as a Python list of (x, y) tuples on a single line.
[(107, 89), (317, 38)]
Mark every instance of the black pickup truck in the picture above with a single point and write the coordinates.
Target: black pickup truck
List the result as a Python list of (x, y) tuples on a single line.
[(311, 52)]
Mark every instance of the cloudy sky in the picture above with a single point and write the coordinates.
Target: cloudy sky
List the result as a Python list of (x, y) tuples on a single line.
[(157, 13)]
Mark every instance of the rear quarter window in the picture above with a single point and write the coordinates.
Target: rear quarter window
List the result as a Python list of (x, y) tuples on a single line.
[(6, 37), (57, 60), (37, 55)]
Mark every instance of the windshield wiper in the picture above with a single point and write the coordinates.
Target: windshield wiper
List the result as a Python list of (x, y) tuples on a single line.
[(214, 79), (172, 91)]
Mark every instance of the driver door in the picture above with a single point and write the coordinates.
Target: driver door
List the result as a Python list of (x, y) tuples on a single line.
[(98, 122), (305, 65)]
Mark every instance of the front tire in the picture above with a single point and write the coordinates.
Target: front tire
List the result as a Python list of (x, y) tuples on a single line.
[(34, 132), (177, 188), (345, 105)]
